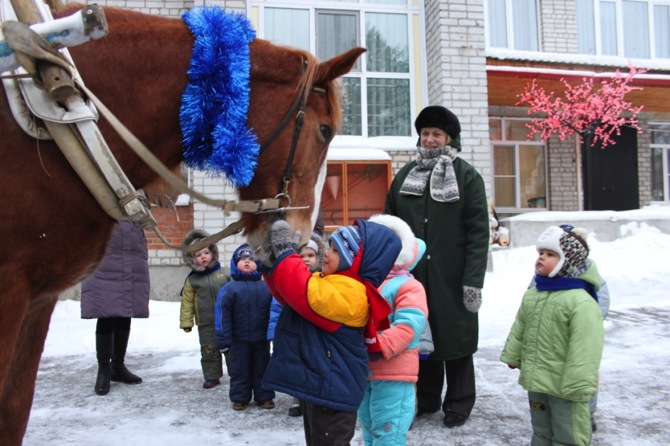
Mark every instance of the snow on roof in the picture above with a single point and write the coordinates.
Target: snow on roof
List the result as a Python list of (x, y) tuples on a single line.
[(584, 59), (349, 154), (574, 73), (657, 211), (385, 143)]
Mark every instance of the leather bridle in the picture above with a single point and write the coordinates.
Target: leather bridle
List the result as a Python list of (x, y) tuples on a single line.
[(297, 109)]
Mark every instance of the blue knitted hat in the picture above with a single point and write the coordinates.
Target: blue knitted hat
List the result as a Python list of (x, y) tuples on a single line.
[(243, 251), (347, 241)]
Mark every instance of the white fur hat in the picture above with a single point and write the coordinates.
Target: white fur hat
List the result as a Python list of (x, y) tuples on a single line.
[(410, 248), (570, 246)]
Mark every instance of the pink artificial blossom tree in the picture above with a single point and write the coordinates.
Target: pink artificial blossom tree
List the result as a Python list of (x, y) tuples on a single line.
[(594, 115)]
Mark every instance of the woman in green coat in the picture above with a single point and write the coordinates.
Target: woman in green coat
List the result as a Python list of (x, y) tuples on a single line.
[(443, 199)]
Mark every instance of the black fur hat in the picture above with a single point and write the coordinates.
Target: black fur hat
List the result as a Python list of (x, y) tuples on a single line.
[(440, 117)]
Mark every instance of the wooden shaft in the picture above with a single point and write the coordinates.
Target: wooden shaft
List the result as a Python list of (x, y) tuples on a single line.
[(56, 81)]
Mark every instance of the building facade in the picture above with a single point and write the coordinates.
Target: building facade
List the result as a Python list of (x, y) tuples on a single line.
[(474, 57)]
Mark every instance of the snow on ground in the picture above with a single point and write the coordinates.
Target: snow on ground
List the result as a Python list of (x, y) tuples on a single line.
[(171, 408)]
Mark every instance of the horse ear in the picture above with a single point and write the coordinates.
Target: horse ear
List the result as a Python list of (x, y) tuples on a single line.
[(337, 66)]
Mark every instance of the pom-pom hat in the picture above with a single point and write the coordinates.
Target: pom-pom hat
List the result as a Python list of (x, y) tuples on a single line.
[(570, 247), (347, 241), (439, 117)]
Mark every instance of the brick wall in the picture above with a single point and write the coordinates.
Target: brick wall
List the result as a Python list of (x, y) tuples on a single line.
[(173, 224), (644, 154), (456, 67), (558, 27)]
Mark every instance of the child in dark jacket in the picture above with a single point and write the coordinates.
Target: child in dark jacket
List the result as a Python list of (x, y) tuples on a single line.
[(242, 316), (198, 297), (312, 255), (328, 327)]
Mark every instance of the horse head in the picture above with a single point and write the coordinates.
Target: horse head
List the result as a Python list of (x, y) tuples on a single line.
[(290, 149)]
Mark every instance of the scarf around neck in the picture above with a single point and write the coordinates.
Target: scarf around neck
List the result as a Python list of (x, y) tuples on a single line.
[(438, 166), (544, 283)]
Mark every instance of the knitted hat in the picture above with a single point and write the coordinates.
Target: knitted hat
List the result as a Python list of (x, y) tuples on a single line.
[(311, 244), (571, 248), (243, 251), (440, 117), (347, 241)]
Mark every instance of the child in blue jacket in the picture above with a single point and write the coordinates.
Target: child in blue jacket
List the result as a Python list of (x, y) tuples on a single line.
[(242, 317), (328, 327)]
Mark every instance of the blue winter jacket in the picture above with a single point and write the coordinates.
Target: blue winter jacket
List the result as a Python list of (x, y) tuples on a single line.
[(242, 308), (328, 364)]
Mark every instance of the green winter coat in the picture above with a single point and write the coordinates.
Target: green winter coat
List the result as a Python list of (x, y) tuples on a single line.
[(457, 244), (557, 341)]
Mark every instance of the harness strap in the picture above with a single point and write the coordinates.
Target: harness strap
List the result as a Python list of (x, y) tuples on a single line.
[(173, 180), (229, 230)]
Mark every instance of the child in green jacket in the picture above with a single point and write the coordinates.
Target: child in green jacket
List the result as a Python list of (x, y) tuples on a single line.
[(557, 340)]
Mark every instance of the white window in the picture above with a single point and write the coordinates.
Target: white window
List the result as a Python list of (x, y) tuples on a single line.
[(513, 24), (519, 166), (660, 161), (379, 90), (626, 28)]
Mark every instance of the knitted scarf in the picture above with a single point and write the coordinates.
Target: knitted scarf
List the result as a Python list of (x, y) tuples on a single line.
[(213, 112), (438, 166), (544, 283)]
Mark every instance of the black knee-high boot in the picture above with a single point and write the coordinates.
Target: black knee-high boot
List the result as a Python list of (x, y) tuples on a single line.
[(119, 371), (103, 347)]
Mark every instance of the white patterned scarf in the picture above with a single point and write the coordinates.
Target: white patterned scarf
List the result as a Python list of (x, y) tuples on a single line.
[(438, 166)]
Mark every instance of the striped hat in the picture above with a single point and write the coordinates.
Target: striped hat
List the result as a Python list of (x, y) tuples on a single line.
[(347, 241)]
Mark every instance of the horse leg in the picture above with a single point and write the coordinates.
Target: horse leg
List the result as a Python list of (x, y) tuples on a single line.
[(18, 384)]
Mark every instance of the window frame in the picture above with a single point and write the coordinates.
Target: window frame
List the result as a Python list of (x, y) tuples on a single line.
[(510, 27), (518, 207), (596, 29), (415, 76), (665, 158)]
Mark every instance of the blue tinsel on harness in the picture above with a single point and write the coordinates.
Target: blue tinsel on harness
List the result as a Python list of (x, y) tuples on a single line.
[(214, 106)]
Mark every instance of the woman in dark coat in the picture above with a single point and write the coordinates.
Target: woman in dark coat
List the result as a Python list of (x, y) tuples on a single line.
[(443, 199), (116, 292)]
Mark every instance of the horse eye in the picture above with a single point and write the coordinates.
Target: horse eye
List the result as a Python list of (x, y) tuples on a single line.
[(326, 132)]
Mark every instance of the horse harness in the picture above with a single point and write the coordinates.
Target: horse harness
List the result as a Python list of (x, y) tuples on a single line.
[(130, 204), (297, 108)]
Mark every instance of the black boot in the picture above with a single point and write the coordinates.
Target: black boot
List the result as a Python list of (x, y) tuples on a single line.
[(103, 348), (119, 371)]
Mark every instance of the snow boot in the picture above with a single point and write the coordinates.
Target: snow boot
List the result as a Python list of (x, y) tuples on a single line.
[(103, 348), (119, 371)]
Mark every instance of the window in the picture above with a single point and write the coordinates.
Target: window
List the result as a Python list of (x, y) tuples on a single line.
[(513, 24), (354, 188), (624, 28), (519, 166), (378, 92), (660, 162)]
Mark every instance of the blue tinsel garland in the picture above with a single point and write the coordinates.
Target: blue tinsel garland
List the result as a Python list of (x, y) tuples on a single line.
[(214, 106)]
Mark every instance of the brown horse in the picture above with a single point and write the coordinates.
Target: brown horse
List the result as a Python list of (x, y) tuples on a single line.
[(53, 232)]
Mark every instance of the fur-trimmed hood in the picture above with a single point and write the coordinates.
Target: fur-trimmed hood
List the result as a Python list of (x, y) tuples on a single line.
[(321, 247), (411, 249), (193, 236)]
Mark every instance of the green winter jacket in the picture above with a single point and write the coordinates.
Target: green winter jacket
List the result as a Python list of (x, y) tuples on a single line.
[(457, 244), (557, 341)]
